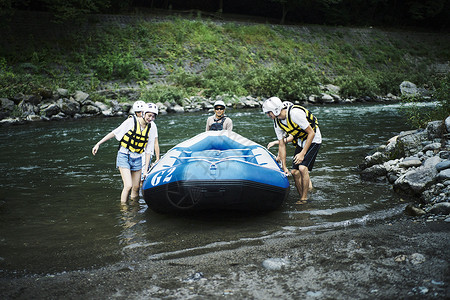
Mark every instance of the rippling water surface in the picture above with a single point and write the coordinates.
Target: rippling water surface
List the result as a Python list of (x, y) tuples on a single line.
[(59, 205)]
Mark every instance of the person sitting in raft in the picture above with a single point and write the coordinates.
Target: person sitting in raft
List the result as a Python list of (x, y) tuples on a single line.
[(219, 121), (136, 136)]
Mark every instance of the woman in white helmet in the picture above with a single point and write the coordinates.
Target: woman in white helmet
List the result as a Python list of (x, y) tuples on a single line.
[(219, 121), (302, 127), (135, 136)]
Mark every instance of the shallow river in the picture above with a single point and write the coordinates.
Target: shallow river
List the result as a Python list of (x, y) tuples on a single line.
[(60, 206)]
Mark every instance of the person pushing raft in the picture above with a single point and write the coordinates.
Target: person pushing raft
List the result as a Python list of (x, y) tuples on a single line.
[(296, 124)]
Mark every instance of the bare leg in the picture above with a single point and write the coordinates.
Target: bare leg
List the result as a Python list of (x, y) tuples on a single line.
[(305, 181), (297, 180), (136, 183), (302, 183), (127, 184)]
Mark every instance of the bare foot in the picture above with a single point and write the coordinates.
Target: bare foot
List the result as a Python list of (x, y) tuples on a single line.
[(302, 202)]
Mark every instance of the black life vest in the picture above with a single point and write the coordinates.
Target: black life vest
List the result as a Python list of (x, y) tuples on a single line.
[(293, 128), (218, 124), (135, 140)]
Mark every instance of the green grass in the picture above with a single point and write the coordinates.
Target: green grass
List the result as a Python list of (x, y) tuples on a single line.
[(203, 57)]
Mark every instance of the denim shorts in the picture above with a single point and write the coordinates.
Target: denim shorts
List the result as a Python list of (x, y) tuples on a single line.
[(127, 162)]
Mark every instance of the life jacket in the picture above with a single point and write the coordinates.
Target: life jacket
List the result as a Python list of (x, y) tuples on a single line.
[(218, 124), (135, 140), (293, 128)]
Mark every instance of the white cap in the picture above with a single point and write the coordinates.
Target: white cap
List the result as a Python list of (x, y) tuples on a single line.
[(274, 105), (219, 103)]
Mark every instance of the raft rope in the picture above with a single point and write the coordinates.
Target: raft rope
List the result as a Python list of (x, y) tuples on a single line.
[(225, 159)]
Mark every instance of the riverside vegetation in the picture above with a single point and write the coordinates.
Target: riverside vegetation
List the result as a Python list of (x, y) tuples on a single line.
[(172, 59), (184, 65)]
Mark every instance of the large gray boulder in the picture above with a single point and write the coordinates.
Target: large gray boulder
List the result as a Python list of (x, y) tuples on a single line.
[(80, 96), (376, 173), (90, 109), (6, 105), (409, 143), (447, 124), (50, 110), (435, 129), (415, 181), (408, 89), (27, 108), (69, 107), (443, 175)]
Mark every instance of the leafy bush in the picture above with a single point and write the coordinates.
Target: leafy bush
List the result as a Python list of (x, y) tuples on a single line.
[(442, 94), (163, 93), (223, 79), (292, 81), (358, 85), (416, 115), (120, 66)]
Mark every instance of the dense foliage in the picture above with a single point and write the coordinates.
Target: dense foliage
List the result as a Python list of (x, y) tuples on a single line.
[(430, 13), (174, 58)]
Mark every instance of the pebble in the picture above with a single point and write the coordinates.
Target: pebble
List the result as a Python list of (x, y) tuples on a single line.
[(196, 277), (275, 263), (314, 294), (417, 258)]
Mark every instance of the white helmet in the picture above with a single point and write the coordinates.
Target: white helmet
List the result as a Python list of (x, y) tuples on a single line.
[(153, 108), (287, 104), (138, 106), (219, 103), (273, 104)]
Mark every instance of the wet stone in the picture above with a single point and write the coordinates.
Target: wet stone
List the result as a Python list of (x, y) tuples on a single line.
[(275, 263)]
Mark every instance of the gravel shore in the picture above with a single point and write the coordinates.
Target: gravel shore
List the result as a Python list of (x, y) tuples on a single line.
[(397, 259)]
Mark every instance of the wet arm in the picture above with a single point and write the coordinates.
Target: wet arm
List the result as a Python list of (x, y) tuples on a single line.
[(104, 139), (300, 156), (282, 154), (288, 139), (157, 153)]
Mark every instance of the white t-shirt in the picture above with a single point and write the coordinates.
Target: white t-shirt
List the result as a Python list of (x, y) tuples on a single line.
[(298, 116), (128, 125)]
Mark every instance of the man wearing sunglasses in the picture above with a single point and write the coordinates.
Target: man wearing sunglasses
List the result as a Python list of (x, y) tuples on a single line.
[(219, 121)]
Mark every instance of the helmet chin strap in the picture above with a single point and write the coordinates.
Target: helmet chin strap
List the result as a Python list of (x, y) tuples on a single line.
[(145, 122)]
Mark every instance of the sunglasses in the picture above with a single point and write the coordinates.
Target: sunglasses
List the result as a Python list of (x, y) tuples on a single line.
[(219, 108)]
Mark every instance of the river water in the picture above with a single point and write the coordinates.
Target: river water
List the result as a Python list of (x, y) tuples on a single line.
[(60, 206)]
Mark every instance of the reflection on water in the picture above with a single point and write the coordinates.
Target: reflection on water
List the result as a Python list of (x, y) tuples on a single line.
[(60, 206)]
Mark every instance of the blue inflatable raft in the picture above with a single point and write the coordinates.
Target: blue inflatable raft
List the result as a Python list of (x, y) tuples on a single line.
[(216, 170)]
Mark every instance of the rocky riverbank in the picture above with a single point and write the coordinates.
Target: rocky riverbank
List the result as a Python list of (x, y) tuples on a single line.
[(417, 164), (48, 105), (400, 259)]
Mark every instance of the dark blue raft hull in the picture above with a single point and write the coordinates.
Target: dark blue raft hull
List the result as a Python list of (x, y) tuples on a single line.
[(216, 171)]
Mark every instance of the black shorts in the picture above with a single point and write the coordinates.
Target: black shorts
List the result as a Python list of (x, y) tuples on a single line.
[(310, 156)]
